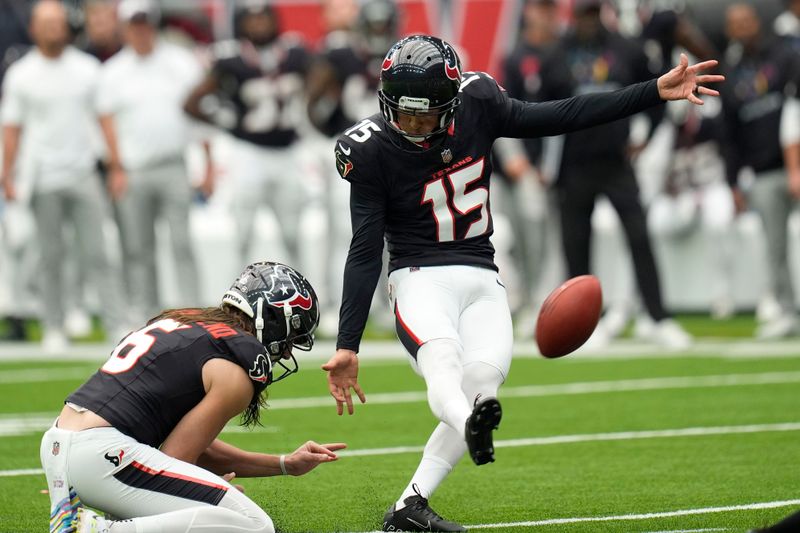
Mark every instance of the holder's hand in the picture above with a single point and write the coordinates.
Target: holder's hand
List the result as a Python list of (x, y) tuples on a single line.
[(342, 371)]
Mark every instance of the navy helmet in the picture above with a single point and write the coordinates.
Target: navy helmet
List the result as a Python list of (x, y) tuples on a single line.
[(420, 75), (283, 306)]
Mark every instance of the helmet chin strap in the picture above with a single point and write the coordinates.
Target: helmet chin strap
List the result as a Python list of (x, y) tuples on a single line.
[(259, 323), (259, 320)]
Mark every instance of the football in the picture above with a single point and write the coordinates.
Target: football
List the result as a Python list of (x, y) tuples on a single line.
[(568, 316)]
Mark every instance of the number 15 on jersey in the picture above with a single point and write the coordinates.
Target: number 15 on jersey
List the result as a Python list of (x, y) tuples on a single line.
[(446, 211)]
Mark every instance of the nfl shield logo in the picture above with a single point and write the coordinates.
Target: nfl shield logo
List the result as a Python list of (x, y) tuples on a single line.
[(56, 448), (447, 155)]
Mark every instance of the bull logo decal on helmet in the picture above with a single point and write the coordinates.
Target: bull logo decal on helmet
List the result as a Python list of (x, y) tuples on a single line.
[(387, 62), (451, 68), (286, 289)]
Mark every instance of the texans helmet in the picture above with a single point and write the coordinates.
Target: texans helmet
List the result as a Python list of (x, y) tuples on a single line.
[(283, 306), (420, 74)]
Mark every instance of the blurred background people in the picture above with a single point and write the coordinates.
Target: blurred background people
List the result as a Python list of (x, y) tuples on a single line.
[(143, 88), (278, 104), (254, 91), (524, 196), (760, 70), (596, 163), (341, 86), (665, 29), (787, 24), (49, 97), (14, 39), (696, 196), (101, 36)]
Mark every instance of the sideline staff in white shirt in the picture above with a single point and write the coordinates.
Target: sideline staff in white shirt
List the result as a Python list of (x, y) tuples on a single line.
[(49, 96), (143, 87)]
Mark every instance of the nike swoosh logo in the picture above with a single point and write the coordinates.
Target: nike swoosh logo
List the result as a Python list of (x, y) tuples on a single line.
[(423, 526), (344, 151)]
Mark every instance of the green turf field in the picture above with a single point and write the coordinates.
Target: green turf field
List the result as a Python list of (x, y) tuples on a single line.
[(647, 444)]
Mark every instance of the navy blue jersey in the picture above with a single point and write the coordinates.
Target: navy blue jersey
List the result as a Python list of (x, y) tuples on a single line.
[(432, 202), (755, 88), (522, 78), (582, 67), (351, 82), (659, 39), (261, 89), (155, 375)]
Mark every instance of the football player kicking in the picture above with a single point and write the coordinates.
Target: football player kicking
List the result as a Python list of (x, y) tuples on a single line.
[(138, 440), (419, 175)]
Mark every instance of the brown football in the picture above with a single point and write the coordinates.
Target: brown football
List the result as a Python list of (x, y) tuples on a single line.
[(568, 316)]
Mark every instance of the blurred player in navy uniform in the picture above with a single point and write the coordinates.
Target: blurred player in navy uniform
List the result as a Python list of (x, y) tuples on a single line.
[(763, 72), (596, 163), (419, 174), (255, 91), (526, 201), (663, 30), (344, 76), (696, 196), (341, 86), (139, 440)]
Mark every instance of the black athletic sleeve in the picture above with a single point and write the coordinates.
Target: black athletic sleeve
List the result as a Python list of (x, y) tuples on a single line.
[(541, 119), (364, 260), (729, 139)]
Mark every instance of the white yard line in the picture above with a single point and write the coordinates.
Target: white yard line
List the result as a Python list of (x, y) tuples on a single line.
[(37, 375), (392, 350), (556, 439), (21, 472), (600, 437), (645, 516), (691, 530), (26, 423)]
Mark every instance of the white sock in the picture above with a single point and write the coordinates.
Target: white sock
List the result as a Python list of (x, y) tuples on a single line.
[(444, 449), (439, 361), (481, 380)]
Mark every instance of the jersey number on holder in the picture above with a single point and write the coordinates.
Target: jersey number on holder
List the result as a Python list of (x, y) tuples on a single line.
[(463, 202), (137, 344)]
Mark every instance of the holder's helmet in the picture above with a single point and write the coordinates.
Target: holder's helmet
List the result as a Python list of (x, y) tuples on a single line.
[(420, 75), (283, 306)]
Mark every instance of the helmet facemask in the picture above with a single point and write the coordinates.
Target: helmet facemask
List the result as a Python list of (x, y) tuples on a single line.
[(408, 105)]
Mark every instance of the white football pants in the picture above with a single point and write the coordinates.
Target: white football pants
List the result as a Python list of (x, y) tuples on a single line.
[(116, 474), (464, 304)]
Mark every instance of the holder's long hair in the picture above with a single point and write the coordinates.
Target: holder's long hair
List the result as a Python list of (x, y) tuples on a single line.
[(229, 315)]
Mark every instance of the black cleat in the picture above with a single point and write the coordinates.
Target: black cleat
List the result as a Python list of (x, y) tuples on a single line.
[(417, 516), (484, 419)]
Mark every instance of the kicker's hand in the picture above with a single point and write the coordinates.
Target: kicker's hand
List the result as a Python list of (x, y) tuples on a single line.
[(342, 371), (310, 455), (684, 81)]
